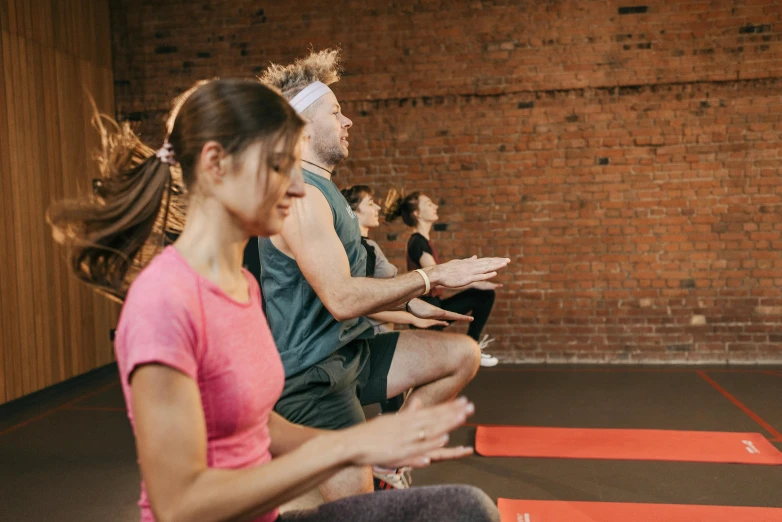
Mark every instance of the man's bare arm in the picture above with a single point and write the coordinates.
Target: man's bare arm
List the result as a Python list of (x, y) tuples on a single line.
[(309, 237)]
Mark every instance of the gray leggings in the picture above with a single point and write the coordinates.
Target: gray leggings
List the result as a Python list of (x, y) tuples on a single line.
[(427, 504)]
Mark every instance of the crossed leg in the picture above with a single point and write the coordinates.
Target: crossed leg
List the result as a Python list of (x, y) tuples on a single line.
[(437, 366)]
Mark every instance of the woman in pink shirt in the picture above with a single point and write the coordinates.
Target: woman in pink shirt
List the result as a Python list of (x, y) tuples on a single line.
[(199, 369)]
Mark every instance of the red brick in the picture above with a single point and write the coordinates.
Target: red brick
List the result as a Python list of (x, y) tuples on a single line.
[(692, 188)]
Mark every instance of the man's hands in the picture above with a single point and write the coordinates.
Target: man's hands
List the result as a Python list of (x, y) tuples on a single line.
[(463, 272)]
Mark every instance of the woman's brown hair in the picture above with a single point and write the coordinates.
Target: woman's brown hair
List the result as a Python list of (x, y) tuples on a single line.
[(356, 194), (141, 195), (398, 205)]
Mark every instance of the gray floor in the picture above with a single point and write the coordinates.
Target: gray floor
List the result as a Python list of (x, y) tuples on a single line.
[(68, 454)]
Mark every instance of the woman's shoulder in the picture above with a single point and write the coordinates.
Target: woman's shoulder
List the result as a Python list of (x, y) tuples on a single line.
[(166, 282), (417, 239)]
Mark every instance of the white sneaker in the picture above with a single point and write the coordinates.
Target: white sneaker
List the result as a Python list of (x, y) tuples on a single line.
[(487, 361), (485, 341)]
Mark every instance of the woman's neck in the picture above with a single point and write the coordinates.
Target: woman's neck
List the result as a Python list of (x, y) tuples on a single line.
[(213, 245), (424, 228), (364, 231)]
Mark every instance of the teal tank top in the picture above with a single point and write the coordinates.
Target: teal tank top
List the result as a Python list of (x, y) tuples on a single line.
[(304, 330)]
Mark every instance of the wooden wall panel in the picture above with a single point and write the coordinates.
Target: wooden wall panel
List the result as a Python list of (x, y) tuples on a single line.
[(6, 230), (52, 55), (4, 25)]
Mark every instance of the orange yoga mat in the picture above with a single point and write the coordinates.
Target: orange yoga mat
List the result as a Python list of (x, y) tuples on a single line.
[(558, 511), (580, 443)]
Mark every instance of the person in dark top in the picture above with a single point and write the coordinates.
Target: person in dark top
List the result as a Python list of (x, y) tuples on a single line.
[(317, 295), (419, 212), (361, 201)]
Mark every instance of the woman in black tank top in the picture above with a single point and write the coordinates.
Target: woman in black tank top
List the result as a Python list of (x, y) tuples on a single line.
[(419, 212), (360, 199)]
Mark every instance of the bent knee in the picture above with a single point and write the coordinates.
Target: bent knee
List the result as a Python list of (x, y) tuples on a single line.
[(469, 354)]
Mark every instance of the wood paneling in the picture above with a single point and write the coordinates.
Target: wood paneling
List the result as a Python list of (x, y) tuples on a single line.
[(52, 55)]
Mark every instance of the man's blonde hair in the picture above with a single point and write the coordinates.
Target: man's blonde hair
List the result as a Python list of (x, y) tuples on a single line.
[(323, 66)]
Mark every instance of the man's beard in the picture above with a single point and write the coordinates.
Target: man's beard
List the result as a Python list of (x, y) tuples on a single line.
[(328, 154)]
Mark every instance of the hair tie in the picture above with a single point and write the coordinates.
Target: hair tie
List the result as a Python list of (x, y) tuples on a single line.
[(166, 154)]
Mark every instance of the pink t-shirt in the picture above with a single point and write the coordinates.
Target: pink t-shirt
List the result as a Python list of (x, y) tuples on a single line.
[(174, 316)]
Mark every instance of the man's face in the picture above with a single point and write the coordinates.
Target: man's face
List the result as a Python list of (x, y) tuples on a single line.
[(329, 131)]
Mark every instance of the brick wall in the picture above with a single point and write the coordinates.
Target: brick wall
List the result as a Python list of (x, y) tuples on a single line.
[(625, 156)]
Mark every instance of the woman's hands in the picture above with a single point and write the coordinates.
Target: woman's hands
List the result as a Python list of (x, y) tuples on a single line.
[(414, 437)]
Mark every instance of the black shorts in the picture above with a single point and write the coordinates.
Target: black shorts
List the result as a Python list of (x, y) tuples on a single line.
[(330, 395)]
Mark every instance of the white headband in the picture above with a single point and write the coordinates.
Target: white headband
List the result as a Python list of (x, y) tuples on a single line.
[(309, 95)]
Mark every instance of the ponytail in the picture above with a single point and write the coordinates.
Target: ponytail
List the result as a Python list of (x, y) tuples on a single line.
[(140, 200), (398, 205), (112, 233)]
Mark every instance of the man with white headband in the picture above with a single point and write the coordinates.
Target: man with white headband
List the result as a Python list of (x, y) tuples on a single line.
[(316, 296)]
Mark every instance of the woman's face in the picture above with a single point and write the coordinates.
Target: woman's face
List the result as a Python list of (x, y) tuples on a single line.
[(427, 210), (368, 212), (260, 192)]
